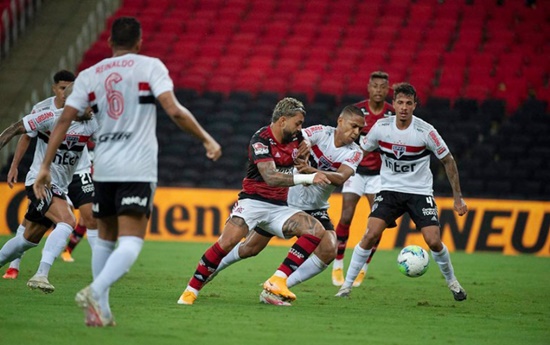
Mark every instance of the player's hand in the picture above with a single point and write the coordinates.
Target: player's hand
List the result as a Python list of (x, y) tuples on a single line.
[(303, 151), (303, 166), (12, 176), (213, 150), (43, 181), (321, 179), (460, 206)]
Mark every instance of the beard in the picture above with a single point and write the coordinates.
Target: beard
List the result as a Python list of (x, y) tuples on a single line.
[(288, 137)]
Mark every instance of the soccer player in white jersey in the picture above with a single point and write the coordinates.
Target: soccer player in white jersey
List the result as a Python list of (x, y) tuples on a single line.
[(122, 91), (334, 152), (50, 208), (80, 189), (406, 142)]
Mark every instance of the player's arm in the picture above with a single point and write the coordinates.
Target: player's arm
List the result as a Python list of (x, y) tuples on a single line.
[(14, 129), (452, 174), (43, 178), (336, 177), (22, 146), (275, 178), (186, 121)]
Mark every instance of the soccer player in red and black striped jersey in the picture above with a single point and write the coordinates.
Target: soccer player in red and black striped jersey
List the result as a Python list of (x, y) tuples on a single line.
[(263, 202), (366, 181)]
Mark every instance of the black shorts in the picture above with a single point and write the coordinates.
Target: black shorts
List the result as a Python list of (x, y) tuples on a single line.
[(320, 215), (38, 207), (389, 206), (81, 189), (119, 198)]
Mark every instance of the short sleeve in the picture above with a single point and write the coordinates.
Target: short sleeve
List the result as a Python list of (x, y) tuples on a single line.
[(79, 98), (436, 144), (160, 79), (353, 159), (259, 149), (370, 141), (40, 121)]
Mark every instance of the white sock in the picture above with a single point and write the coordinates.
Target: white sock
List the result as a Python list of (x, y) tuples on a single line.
[(358, 260), (91, 234), (119, 263), (16, 262), (55, 244), (310, 268), (14, 248), (443, 260), (336, 264), (100, 254), (230, 258)]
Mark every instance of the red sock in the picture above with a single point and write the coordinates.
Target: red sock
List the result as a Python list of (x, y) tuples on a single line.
[(207, 265), (342, 235), (373, 250), (75, 237), (299, 253)]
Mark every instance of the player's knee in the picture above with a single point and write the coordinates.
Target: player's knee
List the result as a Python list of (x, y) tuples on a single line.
[(326, 251)]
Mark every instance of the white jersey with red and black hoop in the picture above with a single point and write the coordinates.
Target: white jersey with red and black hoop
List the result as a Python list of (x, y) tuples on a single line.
[(324, 156), (84, 163), (69, 153), (406, 154), (122, 91), (371, 163), (264, 147)]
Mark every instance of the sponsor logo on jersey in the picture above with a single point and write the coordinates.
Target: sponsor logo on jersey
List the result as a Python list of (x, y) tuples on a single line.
[(32, 124), (441, 150), (43, 117), (398, 150), (260, 149), (115, 136), (134, 200), (435, 139), (399, 167), (310, 130), (356, 158)]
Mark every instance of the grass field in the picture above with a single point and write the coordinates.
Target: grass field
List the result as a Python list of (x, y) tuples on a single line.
[(508, 303)]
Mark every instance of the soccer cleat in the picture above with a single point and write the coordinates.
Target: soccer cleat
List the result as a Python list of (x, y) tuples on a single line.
[(269, 298), (66, 256), (458, 292), (11, 273), (42, 283), (277, 286), (337, 277), (359, 279), (94, 318), (343, 292), (187, 297)]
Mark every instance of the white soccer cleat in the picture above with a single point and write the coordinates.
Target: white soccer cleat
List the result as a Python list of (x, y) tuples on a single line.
[(343, 292), (40, 282), (94, 318), (269, 298), (458, 292)]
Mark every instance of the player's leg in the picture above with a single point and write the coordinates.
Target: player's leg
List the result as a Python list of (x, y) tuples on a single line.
[(254, 243), (323, 255), (60, 214), (13, 270), (309, 232), (351, 194), (361, 276), (74, 239), (234, 231), (424, 214)]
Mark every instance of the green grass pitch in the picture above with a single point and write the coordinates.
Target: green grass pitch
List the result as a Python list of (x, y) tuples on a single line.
[(508, 303)]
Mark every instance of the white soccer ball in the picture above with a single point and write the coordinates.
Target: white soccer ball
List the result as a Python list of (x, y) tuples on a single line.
[(413, 261)]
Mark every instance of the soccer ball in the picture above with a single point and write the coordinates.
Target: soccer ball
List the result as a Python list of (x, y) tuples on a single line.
[(413, 261)]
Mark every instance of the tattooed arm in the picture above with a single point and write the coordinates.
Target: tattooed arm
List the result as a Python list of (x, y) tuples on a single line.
[(14, 129), (452, 174), (272, 177)]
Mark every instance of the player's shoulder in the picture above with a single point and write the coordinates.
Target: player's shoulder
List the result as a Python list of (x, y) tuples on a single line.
[(385, 122), (310, 131), (43, 105), (421, 125)]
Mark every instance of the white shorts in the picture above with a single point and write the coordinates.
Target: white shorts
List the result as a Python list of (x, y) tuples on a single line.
[(362, 184), (269, 217)]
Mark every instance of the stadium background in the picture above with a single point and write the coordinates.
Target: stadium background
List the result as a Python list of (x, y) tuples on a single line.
[(481, 69)]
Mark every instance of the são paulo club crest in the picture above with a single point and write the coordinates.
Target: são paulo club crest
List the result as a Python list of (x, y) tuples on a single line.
[(70, 140), (398, 150)]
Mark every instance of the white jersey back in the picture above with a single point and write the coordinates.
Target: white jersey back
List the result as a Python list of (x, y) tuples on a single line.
[(69, 153), (325, 156), (84, 163), (406, 154), (122, 91)]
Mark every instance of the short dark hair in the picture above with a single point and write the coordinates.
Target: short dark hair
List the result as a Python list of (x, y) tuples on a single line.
[(379, 75), (125, 32), (405, 89), (63, 75), (352, 110)]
